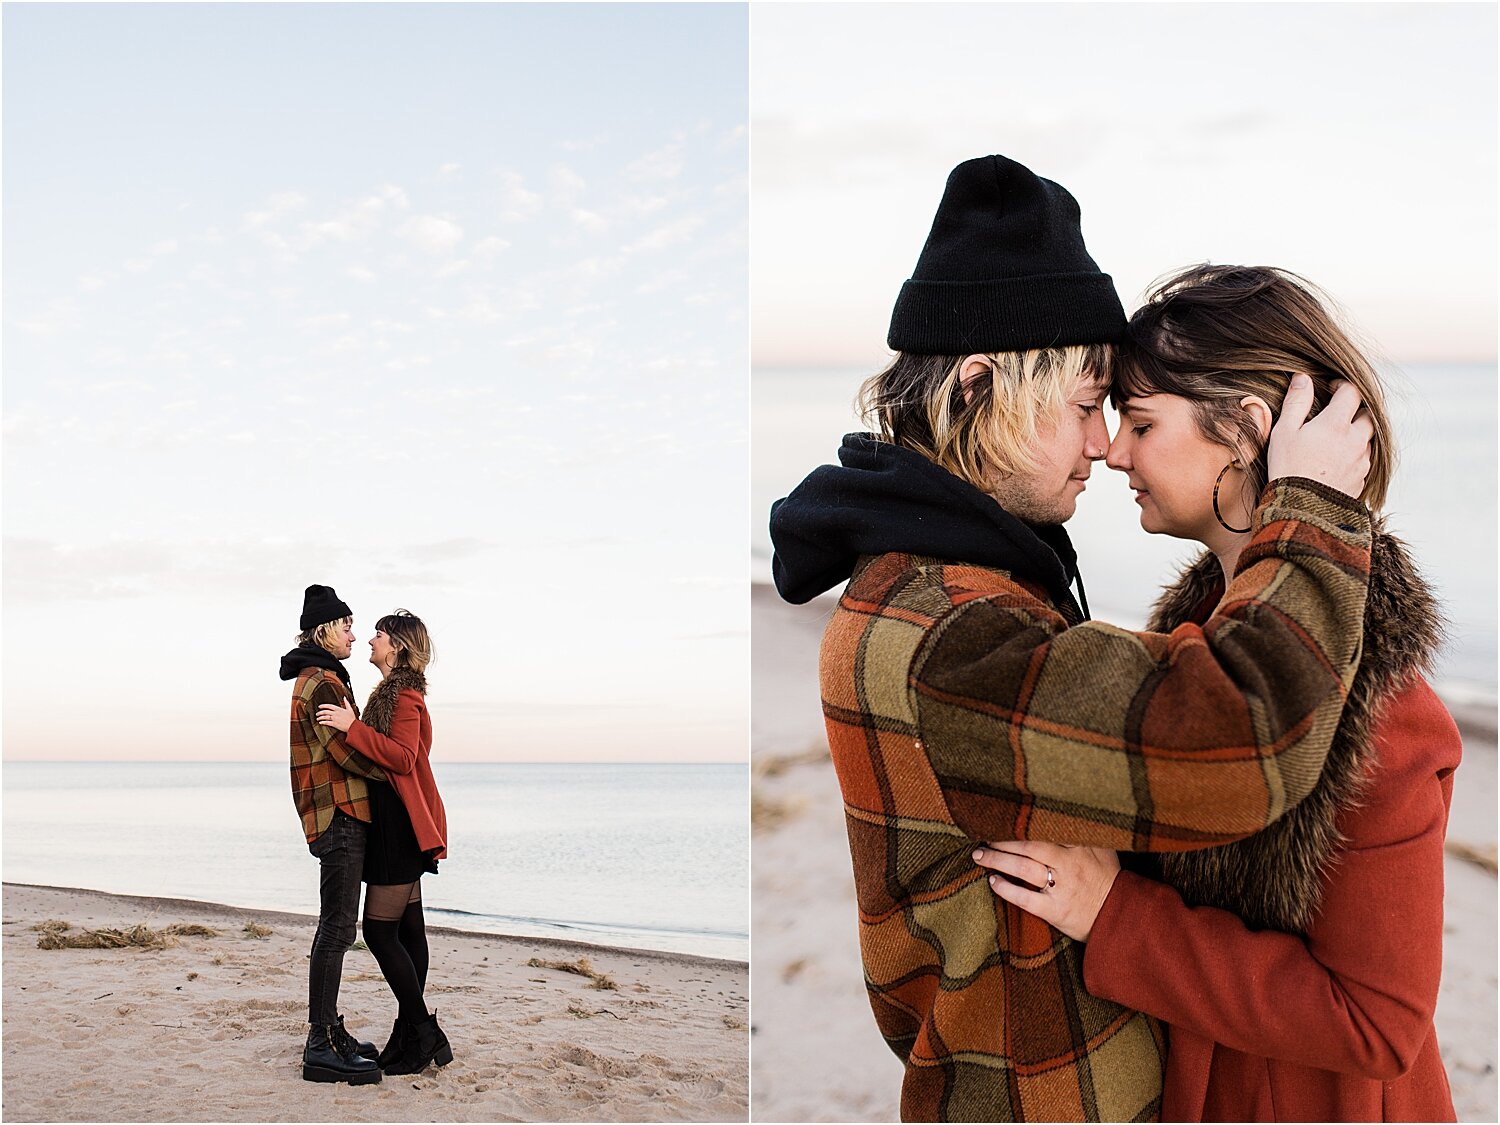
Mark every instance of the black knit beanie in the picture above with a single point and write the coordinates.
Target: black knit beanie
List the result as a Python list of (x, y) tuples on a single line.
[(321, 605), (1004, 269)]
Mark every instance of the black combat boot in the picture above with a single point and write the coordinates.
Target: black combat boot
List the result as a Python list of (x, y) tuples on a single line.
[(323, 1061), (361, 1046)]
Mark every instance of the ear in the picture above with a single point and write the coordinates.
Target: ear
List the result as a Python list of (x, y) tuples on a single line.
[(972, 369), (1260, 412)]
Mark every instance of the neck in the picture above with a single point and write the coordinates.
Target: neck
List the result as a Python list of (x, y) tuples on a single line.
[(1227, 547)]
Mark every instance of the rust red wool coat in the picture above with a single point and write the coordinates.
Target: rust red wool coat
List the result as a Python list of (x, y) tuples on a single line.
[(404, 749), (962, 706), (327, 773), (1298, 969)]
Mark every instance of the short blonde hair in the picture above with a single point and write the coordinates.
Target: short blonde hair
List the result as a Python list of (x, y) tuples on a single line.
[(919, 402), (322, 635)]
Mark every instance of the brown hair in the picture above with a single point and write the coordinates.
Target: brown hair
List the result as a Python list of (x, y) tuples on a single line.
[(919, 402), (408, 637), (1213, 334)]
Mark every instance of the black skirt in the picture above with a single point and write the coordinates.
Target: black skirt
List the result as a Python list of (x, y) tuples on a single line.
[(391, 852)]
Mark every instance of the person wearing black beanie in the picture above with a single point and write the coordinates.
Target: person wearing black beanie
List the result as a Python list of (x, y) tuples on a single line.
[(968, 698), (332, 798)]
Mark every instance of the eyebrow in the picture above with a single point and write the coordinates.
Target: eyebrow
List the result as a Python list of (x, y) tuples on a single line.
[(1132, 406)]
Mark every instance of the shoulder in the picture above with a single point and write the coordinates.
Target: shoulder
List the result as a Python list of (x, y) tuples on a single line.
[(410, 699), (1414, 734), (318, 683), (931, 587)]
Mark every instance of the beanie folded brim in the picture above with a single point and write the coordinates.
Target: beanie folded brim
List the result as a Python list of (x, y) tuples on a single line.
[(1006, 315)]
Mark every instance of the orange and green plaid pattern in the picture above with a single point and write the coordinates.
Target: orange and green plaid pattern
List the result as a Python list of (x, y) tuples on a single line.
[(326, 773), (962, 708)]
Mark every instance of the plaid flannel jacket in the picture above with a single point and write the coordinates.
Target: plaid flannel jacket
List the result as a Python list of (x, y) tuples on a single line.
[(326, 773), (961, 707)]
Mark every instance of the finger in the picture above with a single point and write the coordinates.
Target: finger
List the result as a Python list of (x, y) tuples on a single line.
[(1030, 901), (1039, 850), (1298, 402), (1345, 401), (1029, 871)]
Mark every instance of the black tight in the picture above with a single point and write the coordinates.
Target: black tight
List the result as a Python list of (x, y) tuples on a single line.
[(397, 935)]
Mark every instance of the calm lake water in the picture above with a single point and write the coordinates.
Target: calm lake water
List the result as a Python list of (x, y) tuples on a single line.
[(1442, 501), (650, 856)]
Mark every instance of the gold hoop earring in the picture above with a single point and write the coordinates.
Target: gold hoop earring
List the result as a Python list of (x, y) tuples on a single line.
[(1217, 514)]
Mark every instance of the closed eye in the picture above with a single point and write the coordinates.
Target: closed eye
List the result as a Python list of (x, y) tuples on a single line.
[(1141, 429)]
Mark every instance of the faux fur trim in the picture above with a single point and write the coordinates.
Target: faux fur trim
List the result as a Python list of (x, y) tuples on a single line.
[(380, 709), (1274, 879)]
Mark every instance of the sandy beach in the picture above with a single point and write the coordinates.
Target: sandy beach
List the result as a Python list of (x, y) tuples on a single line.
[(805, 969), (211, 1028)]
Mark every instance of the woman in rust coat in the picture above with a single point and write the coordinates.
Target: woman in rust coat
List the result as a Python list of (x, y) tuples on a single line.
[(1296, 971), (407, 836)]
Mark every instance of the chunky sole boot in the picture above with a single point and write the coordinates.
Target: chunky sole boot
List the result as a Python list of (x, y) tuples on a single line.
[(322, 1061), (361, 1047)]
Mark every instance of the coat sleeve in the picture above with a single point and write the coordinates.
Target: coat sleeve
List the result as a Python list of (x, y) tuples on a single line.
[(397, 752), (1358, 993), (1149, 741), (334, 741)]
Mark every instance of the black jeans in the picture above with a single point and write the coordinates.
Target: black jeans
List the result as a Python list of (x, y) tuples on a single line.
[(341, 851)]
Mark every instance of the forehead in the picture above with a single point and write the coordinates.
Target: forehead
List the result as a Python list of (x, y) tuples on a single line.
[(1092, 383)]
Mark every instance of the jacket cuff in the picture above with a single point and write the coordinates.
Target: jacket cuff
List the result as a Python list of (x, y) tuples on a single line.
[(1109, 956), (1311, 501)]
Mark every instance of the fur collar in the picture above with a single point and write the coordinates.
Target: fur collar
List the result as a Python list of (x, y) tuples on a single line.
[(380, 709), (1274, 879)]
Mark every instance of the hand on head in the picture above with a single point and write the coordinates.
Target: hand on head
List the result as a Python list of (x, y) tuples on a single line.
[(1333, 448)]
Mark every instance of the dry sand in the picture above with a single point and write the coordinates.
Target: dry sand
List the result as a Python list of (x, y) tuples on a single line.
[(816, 1053), (212, 1029)]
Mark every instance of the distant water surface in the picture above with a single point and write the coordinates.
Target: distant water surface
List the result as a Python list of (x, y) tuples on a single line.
[(1442, 500), (649, 856)]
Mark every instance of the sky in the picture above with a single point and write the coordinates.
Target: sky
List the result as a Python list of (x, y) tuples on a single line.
[(443, 306), (1352, 143)]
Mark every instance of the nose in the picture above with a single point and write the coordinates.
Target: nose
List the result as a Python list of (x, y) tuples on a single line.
[(1119, 450), (1098, 436)]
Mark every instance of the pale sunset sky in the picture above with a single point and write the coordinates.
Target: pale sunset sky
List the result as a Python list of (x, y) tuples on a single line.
[(444, 306), (1352, 143)]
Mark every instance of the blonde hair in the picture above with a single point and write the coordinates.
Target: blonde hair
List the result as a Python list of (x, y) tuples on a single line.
[(409, 639), (920, 402), (1212, 334), (323, 635)]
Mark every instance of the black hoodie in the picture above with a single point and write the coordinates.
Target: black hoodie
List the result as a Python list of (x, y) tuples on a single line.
[(313, 656), (883, 498)]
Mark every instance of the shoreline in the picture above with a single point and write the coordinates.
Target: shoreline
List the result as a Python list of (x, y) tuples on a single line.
[(155, 902), (201, 1014)]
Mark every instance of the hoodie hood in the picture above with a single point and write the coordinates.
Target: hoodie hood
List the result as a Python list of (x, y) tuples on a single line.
[(882, 498), (313, 656)]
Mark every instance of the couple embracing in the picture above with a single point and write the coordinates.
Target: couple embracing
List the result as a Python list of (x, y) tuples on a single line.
[(1190, 873), (371, 812)]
